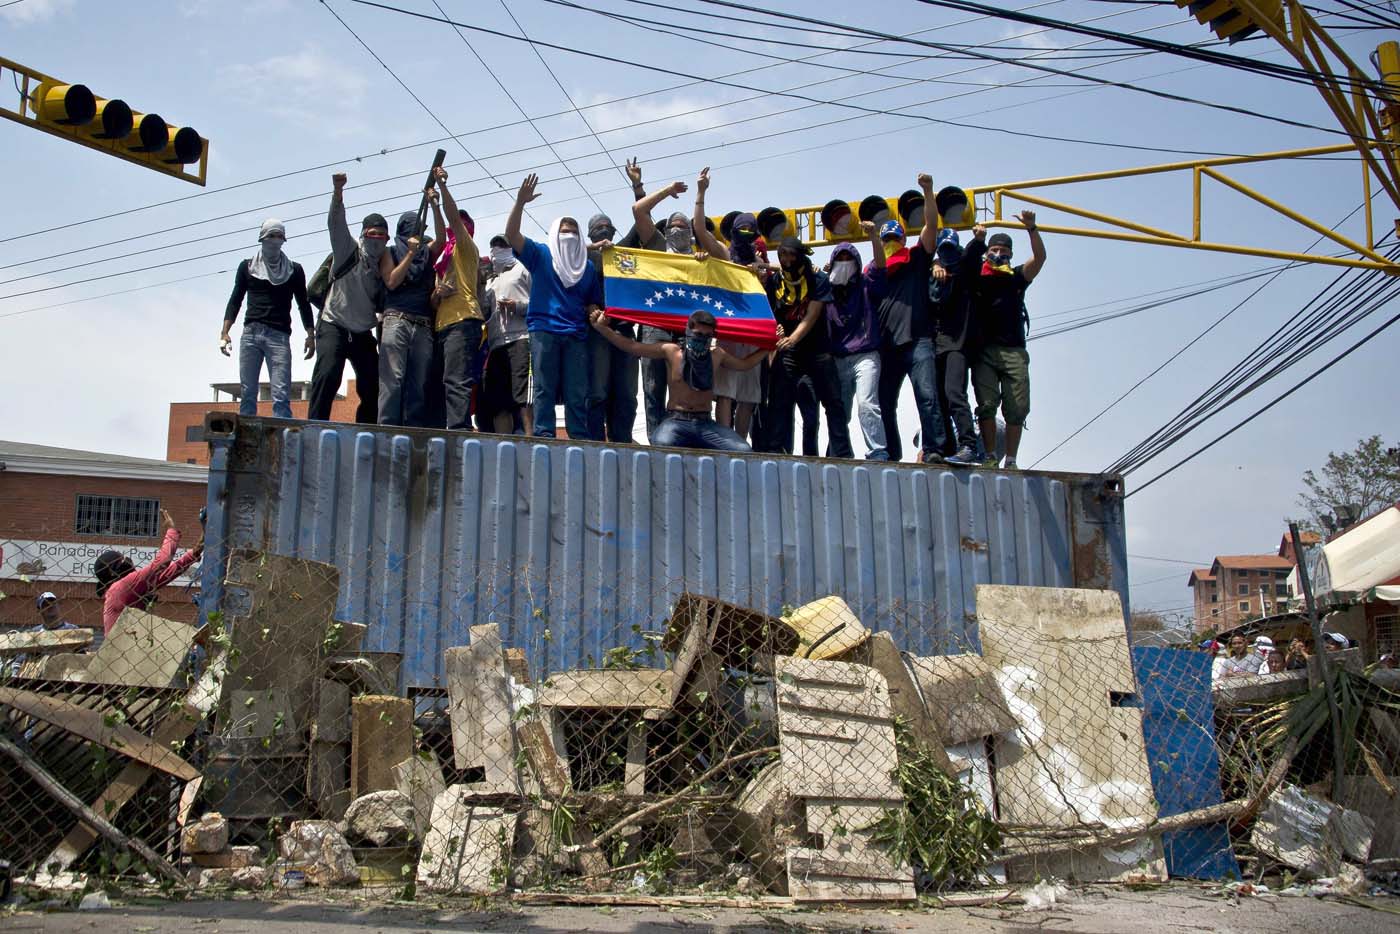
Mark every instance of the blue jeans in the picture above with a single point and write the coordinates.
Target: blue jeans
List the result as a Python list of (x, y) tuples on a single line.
[(860, 392), (560, 362), (704, 434), (258, 343), (405, 358), (612, 390), (916, 361)]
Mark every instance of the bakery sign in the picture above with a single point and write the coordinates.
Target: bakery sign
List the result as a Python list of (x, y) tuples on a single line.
[(66, 561)]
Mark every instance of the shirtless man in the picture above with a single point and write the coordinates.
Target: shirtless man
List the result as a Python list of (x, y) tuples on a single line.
[(690, 389)]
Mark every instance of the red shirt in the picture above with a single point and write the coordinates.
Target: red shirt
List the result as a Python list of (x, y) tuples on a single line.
[(131, 589)]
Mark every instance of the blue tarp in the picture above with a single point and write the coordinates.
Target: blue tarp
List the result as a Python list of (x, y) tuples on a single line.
[(1178, 726)]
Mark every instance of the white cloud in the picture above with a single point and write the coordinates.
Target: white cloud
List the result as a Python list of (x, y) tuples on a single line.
[(309, 88), (672, 115), (35, 11)]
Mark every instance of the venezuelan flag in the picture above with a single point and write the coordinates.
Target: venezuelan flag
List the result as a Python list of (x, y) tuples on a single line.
[(662, 289)]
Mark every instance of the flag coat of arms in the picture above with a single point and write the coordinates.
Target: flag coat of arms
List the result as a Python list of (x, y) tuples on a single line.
[(663, 289)]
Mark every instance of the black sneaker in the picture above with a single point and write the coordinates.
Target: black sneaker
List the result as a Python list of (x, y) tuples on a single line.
[(931, 457)]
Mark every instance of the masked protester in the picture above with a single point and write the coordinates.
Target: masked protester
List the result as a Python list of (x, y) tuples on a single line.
[(906, 335), (801, 294), (456, 304), (1001, 373), (956, 338), (269, 280), (121, 584), (675, 236), (612, 387), (406, 346), (564, 289), (855, 336), (345, 329), (691, 365), (507, 383)]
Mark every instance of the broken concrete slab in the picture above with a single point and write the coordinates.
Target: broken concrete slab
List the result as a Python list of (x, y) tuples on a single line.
[(962, 697), (209, 834), (1296, 829), (1077, 756), (331, 721), (906, 702), (467, 848), (1365, 794), (321, 851), (381, 737), (328, 778), (64, 666), (608, 689), (1247, 690), (142, 650), (813, 877), (1354, 832), (419, 778), (836, 731), (247, 878), (261, 714), (479, 705), (235, 857), (381, 818), (826, 628)]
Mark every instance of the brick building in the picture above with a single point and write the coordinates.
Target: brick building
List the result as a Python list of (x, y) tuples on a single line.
[(1238, 588), (60, 509), (185, 437)]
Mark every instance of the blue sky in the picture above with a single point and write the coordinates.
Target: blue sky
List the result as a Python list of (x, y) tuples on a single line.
[(280, 86)]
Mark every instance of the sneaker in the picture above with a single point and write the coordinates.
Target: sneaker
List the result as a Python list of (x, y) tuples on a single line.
[(965, 456), (1009, 464), (989, 462), (931, 457)]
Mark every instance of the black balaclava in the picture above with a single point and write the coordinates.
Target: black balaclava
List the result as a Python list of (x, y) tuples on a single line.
[(698, 370), (408, 227)]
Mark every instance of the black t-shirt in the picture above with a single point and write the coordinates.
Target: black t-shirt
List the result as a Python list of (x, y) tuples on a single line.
[(816, 340), (955, 327), (269, 304), (1000, 303), (904, 311)]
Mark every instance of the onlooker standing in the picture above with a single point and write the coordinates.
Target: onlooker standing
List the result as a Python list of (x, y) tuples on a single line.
[(906, 335), (804, 350), (121, 584), (50, 620), (1001, 374), (1239, 660), (406, 348), (457, 309), (345, 328), (564, 289), (855, 336), (950, 299), (508, 362), (1297, 657), (270, 280), (612, 387)]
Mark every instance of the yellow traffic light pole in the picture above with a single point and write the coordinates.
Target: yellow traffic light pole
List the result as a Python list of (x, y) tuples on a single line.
[(71, 112)]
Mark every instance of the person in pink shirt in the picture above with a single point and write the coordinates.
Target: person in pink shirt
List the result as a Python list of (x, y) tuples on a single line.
[(121, 584)]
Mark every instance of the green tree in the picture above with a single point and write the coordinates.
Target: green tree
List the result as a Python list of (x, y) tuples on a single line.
[(1354, 484)]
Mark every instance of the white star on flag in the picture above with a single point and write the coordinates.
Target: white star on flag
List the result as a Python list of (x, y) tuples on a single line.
[(729, 312), (706, 299), (657, 296), (670, 291), (650, 303), (694, 295)]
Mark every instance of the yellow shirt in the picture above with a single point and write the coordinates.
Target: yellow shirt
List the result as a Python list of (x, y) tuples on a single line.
[(462, 305)]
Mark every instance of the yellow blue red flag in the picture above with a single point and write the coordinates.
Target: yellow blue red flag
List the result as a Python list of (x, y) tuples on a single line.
[(662, 289)]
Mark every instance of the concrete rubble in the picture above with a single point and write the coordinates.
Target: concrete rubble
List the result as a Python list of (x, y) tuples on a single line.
[(381, 818), (318, 849), (209, 834)]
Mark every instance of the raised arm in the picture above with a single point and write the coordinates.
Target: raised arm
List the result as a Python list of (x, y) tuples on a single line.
[(342, 240), (395, 274), (454, 216), (870, 230), (439, 225), (1031, 267), (709, 243), (599, 320), (634, 175), (641, 210), (524, 196), (928, 237)]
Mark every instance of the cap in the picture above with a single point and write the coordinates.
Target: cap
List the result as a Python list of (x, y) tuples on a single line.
[(499, 240), (44, 597), (597, 223), (1263, 642), (891, 228), (999, 239), (467, 222), (911, 208), (1338, 638), (374, 220)]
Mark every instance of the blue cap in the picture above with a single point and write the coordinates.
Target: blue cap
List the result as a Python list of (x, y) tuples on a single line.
[(891, 228)]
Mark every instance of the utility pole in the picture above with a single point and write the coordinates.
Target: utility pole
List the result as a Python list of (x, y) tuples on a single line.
[(1323, 667)]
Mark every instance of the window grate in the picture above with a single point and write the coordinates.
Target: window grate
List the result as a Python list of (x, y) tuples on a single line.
[(117, 515)]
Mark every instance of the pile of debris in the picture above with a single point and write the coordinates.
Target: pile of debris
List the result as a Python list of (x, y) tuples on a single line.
[(801, 756)]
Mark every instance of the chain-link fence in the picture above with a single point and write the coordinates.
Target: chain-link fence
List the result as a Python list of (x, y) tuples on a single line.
[(716, 750)]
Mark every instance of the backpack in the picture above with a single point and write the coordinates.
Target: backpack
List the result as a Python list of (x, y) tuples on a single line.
[(319, 288)]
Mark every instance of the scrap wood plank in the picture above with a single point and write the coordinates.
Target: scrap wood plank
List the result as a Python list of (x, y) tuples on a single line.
[(381, 736), (608, 689), (1076, 758), (47, 640), (92, 725), (742, 637)]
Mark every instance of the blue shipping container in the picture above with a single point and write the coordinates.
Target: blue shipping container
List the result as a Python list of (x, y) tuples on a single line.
[(575, 547)]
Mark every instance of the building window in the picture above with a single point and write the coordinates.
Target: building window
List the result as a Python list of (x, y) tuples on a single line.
[(1244, 590), (1215, 612), (1387, 634), (194, 433), (1215, 598), (117, 515), (1244, 606), (1280, 590)]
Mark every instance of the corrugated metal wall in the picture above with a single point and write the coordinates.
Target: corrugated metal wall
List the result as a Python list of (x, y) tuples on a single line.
[(576, 548)]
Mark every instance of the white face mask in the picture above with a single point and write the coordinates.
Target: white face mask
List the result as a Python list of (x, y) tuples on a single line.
[(502, 258), (843, 272)]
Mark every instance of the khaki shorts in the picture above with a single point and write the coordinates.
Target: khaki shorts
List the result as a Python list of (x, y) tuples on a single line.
[(1001, 379)]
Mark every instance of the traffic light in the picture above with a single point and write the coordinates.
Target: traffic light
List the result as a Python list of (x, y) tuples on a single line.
[(1229, 20), (73, 112)]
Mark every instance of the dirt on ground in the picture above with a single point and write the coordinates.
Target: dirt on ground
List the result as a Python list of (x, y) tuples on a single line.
[(1176, 907)]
